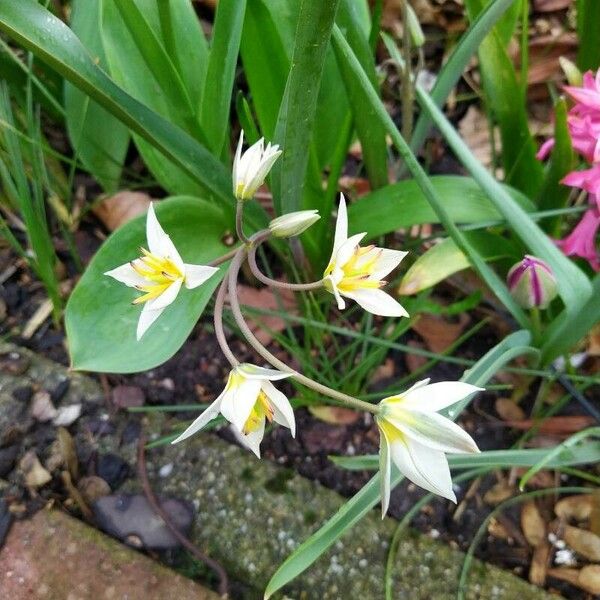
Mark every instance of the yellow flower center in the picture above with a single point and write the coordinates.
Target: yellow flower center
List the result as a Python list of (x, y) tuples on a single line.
[(261, 410), (391, 432), (159, 271), (357, 271)]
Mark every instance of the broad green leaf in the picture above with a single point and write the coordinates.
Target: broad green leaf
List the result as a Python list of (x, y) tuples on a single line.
[(299, 103), (492, 459), (508, 105), (39, 31), (100, 319), (370, 132), (135, 65), (216, 103), (445, 259), (553, 193), (588, 17), (99, 139), (404, 204), (362, 502), (574, 287), (458, 60)]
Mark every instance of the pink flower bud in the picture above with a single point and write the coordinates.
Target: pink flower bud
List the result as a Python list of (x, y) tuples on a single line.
[(532, 283)]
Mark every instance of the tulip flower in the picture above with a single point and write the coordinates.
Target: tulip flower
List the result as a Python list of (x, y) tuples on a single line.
[(531, 283), (415, 437), (356, 272), (252, 167), (582, 240), (293, 223), (248, 400), (159, 273)]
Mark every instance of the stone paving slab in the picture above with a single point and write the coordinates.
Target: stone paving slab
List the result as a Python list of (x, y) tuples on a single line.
[(251, 514), (55, 557)]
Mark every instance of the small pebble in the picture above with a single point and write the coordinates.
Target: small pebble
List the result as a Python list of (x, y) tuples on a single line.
[(60, 390), (113, 469), (166, 470)]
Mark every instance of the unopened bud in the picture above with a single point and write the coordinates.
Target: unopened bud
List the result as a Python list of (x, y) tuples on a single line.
[(293, 223), (532, 283), (414, 27), (572, 73)]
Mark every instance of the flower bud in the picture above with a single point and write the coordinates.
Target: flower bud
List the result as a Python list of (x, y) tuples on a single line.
[(572, 73), (414, 27), (532, 283), (250, 168), (293, 223)]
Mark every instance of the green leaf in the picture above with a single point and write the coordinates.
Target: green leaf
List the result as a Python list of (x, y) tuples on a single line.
[(404, 204), (362, 502), (588, 17), (299, 103), (492, 459), (445, 259), (100, 319), (457, 62), (216, 104), (497, 285), (49, 38), (574, 287), (508, 105), (99, 139), (553, 193)]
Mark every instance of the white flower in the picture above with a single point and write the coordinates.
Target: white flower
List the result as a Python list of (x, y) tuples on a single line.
[(251, 168), (356, 273), (248, 400), (415, 437), (159, 273), (293, 223)]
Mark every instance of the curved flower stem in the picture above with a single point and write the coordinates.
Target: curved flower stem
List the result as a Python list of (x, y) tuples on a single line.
[(239, 222), (270, 358), (221, 259), (294, 287), (219, 331)]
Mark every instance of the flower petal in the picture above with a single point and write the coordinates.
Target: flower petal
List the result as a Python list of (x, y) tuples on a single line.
[(341, 227), (432, 430), (205, 417), (196, 275), (238, 402), (436, 396), (236, 161), (425, 467), (387, 262), (167, 297), (254, 372), (346, 250), (147, 317), (385, 472), (159, 242), (128, 275), (253, 439), (377, 302), (282, 409)]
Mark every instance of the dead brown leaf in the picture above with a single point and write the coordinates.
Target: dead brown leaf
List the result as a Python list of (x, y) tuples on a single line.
[(414, 361), (532, 524), (539, 563), (438, 333), (558, 426), (336, 415), (575, 508), (35, 475), (587, 579), (497, 529), (584, 542), (474, 130), (116, 210), (68, 452), (498, 493), (508, 410), (265, 299), (594, 341), (550, 5)]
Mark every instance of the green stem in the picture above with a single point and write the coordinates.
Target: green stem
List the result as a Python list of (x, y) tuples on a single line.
[(239, 222)]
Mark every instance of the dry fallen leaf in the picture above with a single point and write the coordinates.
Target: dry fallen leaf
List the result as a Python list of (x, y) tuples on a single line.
[(508, 410), (532, 524), (539, 563), (474, 130), (336, 415), (498, 493), (68, 452), (414, 362), (265, 299), (497, 529), (584, 542), (550, 5), (576, 508), (438, 333), (35, 475), (587, 579), (559, 426), (117, 210)]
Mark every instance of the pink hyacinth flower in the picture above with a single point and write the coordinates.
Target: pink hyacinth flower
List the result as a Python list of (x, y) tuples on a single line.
[(588, 180), (588, 95), (582, 240)]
